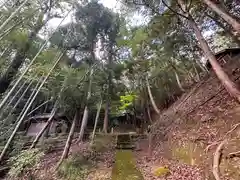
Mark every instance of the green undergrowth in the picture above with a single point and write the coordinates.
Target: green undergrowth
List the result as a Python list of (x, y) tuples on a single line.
[(75, 167), (24, 162), (125, 167)]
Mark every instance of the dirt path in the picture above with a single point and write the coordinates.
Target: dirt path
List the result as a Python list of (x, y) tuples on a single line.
[(125, 165)]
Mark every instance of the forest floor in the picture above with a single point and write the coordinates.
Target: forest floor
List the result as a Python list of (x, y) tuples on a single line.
[(186, 135), (185, 138), (85, 162)]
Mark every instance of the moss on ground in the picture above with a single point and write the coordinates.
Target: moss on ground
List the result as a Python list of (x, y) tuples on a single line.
[(125, 167), (162, 171)]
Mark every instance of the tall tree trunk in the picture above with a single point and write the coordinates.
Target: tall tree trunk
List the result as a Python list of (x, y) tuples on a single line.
[(196, 71), (151, 98), (178, 81), (106, 116), (149, 114), (109, 90), (18, 60), (224, 14), (49, 121), (96, 121), (85, 113), (230, 86), (22, 115), (69, 140)]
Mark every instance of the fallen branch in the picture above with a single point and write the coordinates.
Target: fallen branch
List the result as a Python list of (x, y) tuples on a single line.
[(224, 137), (217, 160), (233, 155)]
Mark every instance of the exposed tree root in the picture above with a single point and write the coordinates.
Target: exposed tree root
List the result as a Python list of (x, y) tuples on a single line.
[(217, 160), (233, 155), (224, 137)]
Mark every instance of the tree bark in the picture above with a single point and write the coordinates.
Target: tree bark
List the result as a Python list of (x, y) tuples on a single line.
[(106, 115), (96, 121), (151, 98), (109, 90), (230, 86), (49, 121), (224, 14), (149, 114), (84, 124), (69, 140), (85, 113)]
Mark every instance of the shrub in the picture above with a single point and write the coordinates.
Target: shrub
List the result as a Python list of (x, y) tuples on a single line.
[(24, 161), (75, 168)]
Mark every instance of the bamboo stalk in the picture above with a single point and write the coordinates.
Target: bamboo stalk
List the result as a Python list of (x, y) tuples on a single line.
[(85, 113), (96, 121), (12, 15), (27, 108), (151, 98), (30, 64), (19, 121), (41, 105), (11, 101), (19, 100)]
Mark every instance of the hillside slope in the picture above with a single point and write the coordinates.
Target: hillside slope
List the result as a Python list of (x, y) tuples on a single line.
[(186, 135)]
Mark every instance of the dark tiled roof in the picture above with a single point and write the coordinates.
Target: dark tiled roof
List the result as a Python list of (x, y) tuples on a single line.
[(226, 51)]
